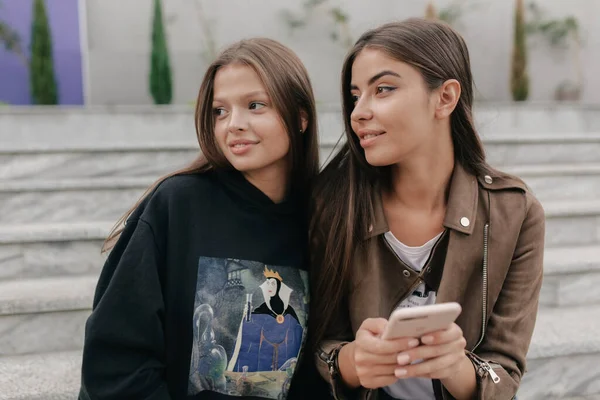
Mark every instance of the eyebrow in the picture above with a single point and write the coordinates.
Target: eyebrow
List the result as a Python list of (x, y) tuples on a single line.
[(376, 77), (246, 96)]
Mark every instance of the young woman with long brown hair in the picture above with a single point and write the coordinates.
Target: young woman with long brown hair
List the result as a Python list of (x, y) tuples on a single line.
[(205, 292), (409, 213)]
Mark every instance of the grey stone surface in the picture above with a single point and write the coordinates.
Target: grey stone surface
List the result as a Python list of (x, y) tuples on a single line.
[(94, 163), (551, 118), (46, 295), (563, 230), (500, 154), (565, 332), (552, 182), (42, 333), (564, 377), (53, 232), (571, 276), (565, 187), (47, 259), (571, 290), (67, 205), (52, 376), (571, 259)]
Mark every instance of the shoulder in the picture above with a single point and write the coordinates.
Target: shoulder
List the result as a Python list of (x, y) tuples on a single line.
[(510, 187), (176, 194), (179, 185)]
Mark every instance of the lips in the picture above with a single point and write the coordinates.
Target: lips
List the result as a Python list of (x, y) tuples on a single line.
[(240, 147), (241, 143), (368, 136)]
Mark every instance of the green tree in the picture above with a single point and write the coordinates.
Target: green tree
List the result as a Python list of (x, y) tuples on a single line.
[(519, 78), (160, 70), (41, 68)]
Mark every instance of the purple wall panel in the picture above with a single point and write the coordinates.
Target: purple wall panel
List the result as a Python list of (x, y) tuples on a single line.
[(63, 16)]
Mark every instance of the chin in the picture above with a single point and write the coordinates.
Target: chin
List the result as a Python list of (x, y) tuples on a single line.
[(378, 160), (245, 165)]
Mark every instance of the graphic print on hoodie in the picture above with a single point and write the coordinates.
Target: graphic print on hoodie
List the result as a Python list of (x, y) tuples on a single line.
[(248, 326)]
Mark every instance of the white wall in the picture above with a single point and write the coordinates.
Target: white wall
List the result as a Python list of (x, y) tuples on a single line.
[(119, 41)]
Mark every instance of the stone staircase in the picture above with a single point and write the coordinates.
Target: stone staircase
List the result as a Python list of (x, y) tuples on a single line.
[(66, 176)]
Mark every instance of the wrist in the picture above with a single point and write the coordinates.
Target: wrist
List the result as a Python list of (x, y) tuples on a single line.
[(347, 367), (463, 383)]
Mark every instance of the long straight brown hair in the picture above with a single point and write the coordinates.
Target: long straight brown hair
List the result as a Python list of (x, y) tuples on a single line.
[(344, 191), (288, 85)]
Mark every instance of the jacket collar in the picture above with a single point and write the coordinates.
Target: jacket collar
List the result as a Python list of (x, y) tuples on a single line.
[(461, 210)]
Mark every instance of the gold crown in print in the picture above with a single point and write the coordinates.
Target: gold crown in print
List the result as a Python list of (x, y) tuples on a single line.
[(271, 274)]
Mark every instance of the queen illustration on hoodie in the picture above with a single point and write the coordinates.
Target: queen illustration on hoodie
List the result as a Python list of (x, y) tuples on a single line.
[(270, 335)]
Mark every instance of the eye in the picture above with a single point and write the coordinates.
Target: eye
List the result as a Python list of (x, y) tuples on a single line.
[(255, 105), (354, 97), (218, 111), (384, 89)]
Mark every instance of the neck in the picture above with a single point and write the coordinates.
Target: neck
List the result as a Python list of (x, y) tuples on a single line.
[(422, 181), (271, 181)]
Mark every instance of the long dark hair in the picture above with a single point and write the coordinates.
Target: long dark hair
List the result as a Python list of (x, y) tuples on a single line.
[(288, 85), (344, 191)]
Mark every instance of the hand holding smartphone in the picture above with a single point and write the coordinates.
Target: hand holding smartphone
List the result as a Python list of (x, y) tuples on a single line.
[(418, 321)]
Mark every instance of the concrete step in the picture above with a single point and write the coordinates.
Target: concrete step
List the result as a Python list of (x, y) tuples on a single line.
[(44, 315), (509, 149), (564, 354), (572, 222), (560, 181), (51, 376), (99, 161), (571, 276), (51, 250), (552, 118), (97, 199)]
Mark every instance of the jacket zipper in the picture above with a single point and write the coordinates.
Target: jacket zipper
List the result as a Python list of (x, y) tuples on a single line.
[(486, 230), (484, 368)]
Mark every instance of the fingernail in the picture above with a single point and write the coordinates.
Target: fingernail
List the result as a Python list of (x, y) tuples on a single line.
[(400, 373), (413, 343), (403, 359), (427, 339)]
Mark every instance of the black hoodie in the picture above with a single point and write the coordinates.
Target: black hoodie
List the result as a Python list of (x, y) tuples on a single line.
[(204, 296)]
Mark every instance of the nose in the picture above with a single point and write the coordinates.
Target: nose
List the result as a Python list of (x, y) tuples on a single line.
[(362, 111), (237, 121)]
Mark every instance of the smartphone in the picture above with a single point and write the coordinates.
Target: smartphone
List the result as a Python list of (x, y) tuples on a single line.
[(418, 321)]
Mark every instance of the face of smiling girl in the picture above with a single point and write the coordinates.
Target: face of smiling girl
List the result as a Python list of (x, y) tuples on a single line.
[(248, 129)]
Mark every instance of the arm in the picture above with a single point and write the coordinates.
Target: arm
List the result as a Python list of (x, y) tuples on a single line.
[(124, 349), (515, 311)]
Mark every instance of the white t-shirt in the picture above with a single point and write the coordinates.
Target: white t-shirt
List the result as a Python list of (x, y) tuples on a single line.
[(414, 257)]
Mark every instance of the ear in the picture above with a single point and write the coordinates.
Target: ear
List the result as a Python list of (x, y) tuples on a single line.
[(448, 96), (303, 120)]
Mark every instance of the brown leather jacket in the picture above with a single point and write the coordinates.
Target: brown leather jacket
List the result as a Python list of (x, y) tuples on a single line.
[(490, 262)]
